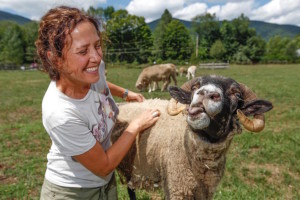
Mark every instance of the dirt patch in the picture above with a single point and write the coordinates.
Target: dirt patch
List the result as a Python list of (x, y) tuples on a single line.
[(23, 112), (30, 81), (4, 180), (273, 174)]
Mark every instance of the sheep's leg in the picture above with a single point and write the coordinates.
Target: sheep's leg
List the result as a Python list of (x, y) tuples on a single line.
[(131, 193), (149, 90), (174, 78), (166, 83), (155, 86)]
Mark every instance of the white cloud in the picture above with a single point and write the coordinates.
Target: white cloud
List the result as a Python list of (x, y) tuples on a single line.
[(232, 10), (290, 18), (190, 11), (35, 9), (278, 11), (153, 9), (214, 9), (275, 11)]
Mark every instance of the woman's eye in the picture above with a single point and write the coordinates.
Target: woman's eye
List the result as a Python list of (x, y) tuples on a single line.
[(83, 52), (98, 46)]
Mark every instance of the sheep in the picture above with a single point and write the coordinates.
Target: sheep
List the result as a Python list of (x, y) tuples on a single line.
[(182, 71), (156, 73), (191, 71), (184, 153)]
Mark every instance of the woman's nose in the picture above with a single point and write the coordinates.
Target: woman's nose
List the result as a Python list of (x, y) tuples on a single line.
[(96, 55)]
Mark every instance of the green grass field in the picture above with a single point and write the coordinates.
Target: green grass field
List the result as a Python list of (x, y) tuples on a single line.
[(259, 166)]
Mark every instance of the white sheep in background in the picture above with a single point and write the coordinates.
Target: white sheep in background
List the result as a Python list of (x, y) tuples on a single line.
[(185, 153), (191, 71)]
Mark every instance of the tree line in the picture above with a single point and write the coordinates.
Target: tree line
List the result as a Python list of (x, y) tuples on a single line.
[(128, 39)]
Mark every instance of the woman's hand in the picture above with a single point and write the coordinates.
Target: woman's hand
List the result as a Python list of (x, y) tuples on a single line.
[(144, 121), (132, 96)]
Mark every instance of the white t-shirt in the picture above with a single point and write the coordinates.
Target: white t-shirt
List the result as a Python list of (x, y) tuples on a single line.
[(74, 126)]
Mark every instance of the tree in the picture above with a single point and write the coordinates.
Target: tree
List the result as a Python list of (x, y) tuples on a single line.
[(228, 37), (240, 57), (108, 12), (97, 13), (255, 48), (129, 38), (241, 30), (291, 50), (241, 41), (177, 41), (276, 49), (208, 29), (30, 34), (217, 50), (159, 33), (11, 44)]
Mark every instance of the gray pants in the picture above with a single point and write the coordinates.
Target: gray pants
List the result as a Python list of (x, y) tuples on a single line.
[(51, 191)]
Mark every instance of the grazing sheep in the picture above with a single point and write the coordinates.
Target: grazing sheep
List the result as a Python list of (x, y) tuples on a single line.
[(156, 73), (191, 72), (185, 151), (182, 71)]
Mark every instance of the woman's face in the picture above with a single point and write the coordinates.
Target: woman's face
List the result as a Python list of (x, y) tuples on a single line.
[(82, 56)]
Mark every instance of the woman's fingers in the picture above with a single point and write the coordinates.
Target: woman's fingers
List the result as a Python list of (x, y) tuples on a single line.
[(156, 113)]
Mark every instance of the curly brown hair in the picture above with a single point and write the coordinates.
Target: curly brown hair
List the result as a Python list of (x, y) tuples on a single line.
[(55, 25)]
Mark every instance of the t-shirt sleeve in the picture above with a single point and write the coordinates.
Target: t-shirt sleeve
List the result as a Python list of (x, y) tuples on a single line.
[(72, 138)]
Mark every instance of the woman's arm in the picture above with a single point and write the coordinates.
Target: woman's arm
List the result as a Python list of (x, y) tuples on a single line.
[(102, 162), (119, 92), (116, 90)]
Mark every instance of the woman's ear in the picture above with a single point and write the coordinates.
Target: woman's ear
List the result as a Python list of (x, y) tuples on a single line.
[(54, 60), (50, 56)]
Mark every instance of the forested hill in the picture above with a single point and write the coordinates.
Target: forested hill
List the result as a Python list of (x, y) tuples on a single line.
[(16, 18), (266, 30)]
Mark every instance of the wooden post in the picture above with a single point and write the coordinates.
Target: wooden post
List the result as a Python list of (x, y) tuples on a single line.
[(197, 38)]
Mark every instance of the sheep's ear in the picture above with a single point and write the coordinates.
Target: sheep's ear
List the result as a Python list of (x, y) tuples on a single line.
[(180, 95), (256, 107)]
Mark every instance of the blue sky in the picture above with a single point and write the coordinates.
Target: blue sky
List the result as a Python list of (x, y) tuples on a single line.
[(273, 11)]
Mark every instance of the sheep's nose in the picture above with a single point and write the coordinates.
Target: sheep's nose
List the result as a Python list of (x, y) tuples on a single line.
[(215, 96)]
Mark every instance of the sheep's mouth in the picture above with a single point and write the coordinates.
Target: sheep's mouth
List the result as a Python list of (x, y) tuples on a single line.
[(195, 112)]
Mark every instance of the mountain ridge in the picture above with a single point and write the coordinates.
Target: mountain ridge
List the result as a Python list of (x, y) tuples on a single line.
[(12, 17), (264, 29)]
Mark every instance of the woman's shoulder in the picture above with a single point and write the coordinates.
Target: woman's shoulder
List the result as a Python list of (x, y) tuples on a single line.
[(56, 105)]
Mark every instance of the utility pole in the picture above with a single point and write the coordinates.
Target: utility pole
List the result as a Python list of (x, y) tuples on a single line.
[(197, 38)]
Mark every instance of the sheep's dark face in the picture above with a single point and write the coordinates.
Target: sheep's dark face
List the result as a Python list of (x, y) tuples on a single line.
[(210, 109), (212, 102)]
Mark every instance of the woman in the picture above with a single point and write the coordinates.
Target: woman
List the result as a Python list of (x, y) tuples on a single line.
[(78, 109)]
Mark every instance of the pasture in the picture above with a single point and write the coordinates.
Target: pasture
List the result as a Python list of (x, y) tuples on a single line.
[(262, 165)]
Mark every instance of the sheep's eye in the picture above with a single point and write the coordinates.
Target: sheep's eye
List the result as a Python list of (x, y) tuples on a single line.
[(194, 87), (238, 95)]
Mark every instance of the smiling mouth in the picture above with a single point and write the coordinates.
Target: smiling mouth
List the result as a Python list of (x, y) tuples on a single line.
[(92, 69)]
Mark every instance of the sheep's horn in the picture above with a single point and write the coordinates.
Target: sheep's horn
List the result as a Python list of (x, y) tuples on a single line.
[(188, 85), (174, 107), (255, 125), (258, 122)]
